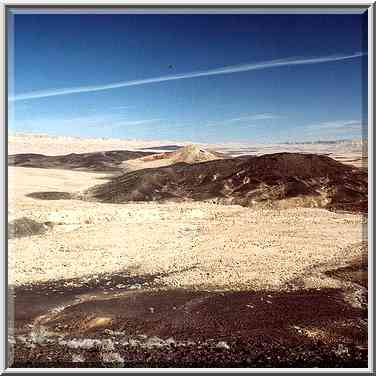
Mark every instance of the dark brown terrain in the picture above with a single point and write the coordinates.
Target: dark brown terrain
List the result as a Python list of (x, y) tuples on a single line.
[(164, 147), (316, 180), (97, 161), (109, 323)]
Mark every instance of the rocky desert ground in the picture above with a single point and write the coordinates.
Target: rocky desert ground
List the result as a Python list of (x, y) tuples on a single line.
[(129, 259)]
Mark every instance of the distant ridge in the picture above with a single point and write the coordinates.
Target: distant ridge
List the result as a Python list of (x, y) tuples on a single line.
[(329, 142), (163, 147), (105, 161)]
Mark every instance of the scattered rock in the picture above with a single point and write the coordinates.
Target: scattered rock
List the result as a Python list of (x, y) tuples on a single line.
[(223, 345), (27, 227), (77, 358)]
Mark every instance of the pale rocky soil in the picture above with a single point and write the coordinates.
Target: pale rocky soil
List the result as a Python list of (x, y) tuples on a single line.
[(197, 245), (49, 145), (188, 154)]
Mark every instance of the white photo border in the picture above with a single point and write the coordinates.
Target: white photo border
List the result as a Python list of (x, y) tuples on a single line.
[(117, 6)]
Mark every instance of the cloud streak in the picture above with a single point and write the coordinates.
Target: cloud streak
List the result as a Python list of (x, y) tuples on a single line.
[(212, 72), (90, 121), (137, 122), (333, 129), (254, 117), (245, 120), (344, 125)]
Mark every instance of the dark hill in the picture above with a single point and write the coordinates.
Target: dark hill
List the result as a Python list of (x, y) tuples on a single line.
[(97, 161), (295, 179), (165, 147), (24, 226)]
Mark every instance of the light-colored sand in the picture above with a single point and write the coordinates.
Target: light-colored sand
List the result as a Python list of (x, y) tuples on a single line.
[(188, 154), (197, 245), (49, 145)]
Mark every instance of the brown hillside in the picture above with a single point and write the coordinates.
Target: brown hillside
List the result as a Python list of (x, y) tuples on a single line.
[(280, 179), (96, 161)]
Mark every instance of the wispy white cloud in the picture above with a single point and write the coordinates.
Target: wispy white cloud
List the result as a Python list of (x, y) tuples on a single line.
[(245, 120), (337, 125), (121, 107), (98, 121), (254, 117), (211, 72), (332, 129), (136, 122)]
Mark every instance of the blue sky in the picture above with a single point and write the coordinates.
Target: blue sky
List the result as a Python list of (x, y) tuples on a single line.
[(204, 78)]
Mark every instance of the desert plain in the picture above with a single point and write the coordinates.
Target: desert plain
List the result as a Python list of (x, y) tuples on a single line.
[(167, 259)]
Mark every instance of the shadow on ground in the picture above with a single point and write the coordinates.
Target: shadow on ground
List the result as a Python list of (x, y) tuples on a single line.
[(119, 320)]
